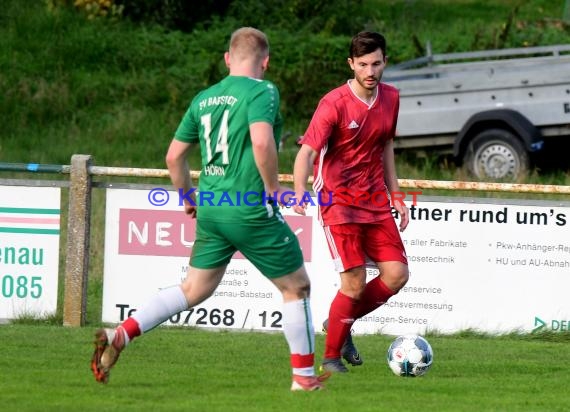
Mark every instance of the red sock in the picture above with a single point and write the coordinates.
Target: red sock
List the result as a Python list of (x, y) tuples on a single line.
[(342, 315), (302, 361), (131, 326), (375, 294)]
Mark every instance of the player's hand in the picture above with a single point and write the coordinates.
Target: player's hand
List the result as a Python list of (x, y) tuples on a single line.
[(283, 195), (404, 213), (300, 207), (189, 208)]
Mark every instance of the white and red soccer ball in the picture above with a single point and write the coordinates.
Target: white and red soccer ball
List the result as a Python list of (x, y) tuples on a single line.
[(410, 355)]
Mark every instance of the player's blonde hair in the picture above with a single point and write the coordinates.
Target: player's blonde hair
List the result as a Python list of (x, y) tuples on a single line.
[(248, 43)]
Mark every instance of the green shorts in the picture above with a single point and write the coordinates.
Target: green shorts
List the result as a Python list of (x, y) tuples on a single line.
[(269, 244)]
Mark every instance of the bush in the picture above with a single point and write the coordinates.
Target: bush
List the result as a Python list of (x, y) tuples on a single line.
[(76, 83), (306, 16), (330, 16), (306, 68), (180, 15)]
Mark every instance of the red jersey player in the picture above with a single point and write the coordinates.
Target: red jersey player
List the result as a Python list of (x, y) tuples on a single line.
[(349, 146)]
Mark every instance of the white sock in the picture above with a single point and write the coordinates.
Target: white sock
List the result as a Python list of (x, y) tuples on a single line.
[(160, 307), (300, 334)]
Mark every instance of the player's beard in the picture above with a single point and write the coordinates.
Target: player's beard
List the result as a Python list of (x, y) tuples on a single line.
[(368, 85)]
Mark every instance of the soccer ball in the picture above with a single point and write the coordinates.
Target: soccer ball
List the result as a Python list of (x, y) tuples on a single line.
[(410, 355)]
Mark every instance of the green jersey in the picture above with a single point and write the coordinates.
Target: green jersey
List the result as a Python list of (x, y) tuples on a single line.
[(230, 186)]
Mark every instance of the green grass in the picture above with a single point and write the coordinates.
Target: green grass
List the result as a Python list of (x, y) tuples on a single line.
[(171, 369)]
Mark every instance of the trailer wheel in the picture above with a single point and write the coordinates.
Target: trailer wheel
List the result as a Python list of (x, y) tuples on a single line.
[(496, 154)]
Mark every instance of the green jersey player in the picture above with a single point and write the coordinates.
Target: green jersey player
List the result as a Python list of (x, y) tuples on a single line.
[(235, 122), (230, 186)]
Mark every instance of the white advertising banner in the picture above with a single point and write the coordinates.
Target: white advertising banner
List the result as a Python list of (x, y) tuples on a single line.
[(485, 266), (29, 251)]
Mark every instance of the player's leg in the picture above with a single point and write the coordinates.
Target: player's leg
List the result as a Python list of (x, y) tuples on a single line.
[(274, 249), (298, 329), (109, 343), (344, 243), (342, 314), (385, 247), (207, 267)]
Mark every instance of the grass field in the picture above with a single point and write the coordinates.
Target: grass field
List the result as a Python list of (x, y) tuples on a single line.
[(46, 368)]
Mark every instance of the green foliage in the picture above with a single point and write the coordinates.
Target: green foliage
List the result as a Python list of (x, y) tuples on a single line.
[(79, 85), (114, 88), (308, 16), (305, 70), (466, 25), (331, 16), (180, 15)]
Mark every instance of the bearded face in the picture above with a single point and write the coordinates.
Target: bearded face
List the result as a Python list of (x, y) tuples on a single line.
[(368, 69)]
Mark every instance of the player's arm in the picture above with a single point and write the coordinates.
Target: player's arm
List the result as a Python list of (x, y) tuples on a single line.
[(176, 161), (265, 154), (320, 128), (301, 172), (391, 180)]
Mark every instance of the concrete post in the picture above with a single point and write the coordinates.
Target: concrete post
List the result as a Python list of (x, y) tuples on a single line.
[(77, 258)]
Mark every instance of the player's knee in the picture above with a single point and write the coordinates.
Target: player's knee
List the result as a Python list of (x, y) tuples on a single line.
[(295, 288), (297, 291), (401, 278), (396, 276), (303, 286)]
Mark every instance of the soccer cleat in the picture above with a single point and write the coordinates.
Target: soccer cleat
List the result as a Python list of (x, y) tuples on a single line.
[(309, 383), (348, 350), (108, 346), (333, 365)]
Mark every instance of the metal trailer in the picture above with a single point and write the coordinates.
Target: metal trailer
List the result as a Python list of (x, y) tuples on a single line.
[(491, 109)]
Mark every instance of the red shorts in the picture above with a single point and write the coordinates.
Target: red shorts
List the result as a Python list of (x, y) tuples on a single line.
[(354, 244)]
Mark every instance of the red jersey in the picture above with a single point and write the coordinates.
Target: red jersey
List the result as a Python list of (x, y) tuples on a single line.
[(350, 136)]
